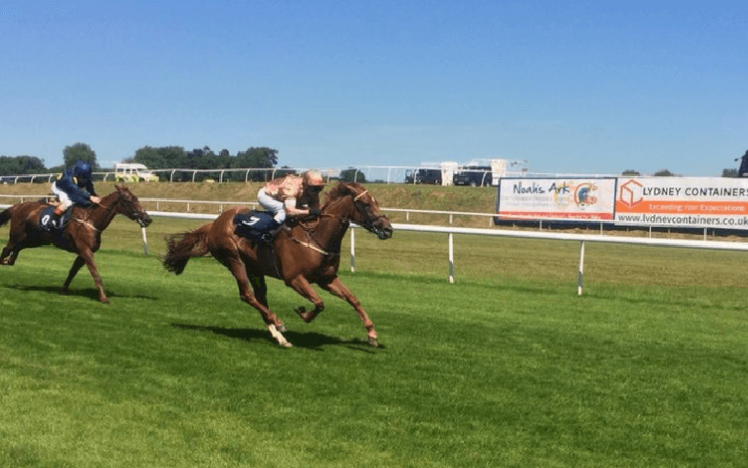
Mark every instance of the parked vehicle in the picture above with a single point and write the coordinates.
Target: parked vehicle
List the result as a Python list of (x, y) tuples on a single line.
[(424, 176), (127, 172), (474, 176)]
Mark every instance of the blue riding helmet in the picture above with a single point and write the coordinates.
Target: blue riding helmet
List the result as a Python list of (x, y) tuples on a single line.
[(82, 170)]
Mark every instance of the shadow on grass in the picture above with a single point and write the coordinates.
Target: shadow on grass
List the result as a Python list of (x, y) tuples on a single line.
[(90, 293), (309, 340)]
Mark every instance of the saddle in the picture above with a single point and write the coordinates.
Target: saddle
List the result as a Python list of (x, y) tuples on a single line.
[(255, 226), (50, 223)]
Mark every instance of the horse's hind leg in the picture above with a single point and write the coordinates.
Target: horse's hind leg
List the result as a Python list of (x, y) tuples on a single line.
[(77, 265), (10, 254), (337, 288), (237, 268), (261, 292)]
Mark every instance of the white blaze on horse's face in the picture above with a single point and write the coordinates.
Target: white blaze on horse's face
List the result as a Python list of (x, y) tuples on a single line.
[(371, 218)]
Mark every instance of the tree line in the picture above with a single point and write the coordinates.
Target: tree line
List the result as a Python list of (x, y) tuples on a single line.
[(168, 157), (175, 157)]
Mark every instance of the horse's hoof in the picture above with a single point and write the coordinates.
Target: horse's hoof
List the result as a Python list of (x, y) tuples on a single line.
[(373, 342), (286, 344), (281, 327), (300, 310), (64, 292)]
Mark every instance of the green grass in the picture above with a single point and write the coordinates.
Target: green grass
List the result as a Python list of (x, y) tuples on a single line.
[(507, 367)]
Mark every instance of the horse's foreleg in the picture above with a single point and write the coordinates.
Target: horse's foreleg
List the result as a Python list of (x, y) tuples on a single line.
[(245, 293), (302, 286), (77, 265), (337, 288)]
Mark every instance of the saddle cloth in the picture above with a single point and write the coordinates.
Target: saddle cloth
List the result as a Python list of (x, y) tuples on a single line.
[(49, 222), (255, 225)]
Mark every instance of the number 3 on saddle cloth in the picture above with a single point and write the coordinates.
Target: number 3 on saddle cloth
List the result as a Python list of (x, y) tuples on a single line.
[(256, 226), (51, 223)]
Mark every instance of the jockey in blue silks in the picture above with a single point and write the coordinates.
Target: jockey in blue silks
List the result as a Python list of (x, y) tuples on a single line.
[(75, 187)]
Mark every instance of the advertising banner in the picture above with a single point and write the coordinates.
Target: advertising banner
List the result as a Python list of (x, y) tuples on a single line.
[(708, 202), (567, 199)]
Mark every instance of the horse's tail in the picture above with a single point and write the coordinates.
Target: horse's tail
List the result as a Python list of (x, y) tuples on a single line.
[(185, 245), (5, 216)]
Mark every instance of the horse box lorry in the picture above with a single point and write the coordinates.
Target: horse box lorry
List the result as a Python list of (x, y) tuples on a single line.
[(424, 176), (133, 172)]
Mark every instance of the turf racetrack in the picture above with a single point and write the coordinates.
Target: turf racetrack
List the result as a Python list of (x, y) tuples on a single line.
[(507, 367)]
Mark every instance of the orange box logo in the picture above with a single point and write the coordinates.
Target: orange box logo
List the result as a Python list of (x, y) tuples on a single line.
[(631, 193)]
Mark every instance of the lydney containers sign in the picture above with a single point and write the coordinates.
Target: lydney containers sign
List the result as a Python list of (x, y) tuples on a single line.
[(683, 201)]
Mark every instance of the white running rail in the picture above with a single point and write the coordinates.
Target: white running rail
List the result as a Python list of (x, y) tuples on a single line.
[(451, 231)]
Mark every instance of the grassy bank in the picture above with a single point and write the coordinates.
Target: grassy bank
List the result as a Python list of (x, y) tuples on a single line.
[(421, 197)]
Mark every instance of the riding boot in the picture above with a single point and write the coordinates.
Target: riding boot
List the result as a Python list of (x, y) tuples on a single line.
[(272, 231), (57, 219)]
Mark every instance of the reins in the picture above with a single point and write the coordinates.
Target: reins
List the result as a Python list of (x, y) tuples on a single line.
[(309, 230), (85, 221), (308, 244)]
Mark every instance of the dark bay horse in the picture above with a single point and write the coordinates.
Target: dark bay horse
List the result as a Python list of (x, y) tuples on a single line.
[(307, 253), (81, 236)]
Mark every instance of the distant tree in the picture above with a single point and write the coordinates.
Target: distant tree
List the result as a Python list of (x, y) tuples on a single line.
[(17, 165), (223, 159), (348, 175), (663, 173), (262, 158), (729, 173), (630, 173), (79, 152), (165, 157), (203, 159), (284, 171), (256, 157)]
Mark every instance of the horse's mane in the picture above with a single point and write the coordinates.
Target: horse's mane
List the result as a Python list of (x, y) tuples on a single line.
[(341, 190)]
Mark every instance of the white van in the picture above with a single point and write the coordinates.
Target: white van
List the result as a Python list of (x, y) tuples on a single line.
[(132, 172)]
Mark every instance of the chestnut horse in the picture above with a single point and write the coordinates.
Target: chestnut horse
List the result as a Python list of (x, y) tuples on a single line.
[(308, 252), (81, 236)]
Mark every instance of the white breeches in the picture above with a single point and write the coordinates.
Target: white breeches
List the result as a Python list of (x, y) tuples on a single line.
[(62, 196), (276, 207)]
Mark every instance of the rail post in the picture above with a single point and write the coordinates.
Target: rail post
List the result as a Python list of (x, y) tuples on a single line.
[(580, 276), (353, 250), (451, 258)]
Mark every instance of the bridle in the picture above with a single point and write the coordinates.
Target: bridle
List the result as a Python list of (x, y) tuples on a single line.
[(367, 223), (137, 216)]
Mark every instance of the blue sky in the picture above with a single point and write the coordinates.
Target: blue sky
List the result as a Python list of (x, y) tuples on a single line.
[(584, 87)]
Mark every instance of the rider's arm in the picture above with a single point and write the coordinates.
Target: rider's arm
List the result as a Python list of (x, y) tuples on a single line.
[(309, 199), (292, 210), (90, 187), (76, 195)]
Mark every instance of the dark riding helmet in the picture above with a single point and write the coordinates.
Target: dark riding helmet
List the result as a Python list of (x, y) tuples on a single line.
[(82, 170)]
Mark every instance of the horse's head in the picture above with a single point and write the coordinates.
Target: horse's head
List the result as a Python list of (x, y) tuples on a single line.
[(366, 212), (129, 205)]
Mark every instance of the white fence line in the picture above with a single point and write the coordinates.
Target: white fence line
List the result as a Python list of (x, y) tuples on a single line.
[(582, 238), (451, 231), (407, 211)]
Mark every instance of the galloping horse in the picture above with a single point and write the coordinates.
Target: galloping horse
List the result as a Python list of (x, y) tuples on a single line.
[(307, 253), (81, 236)]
